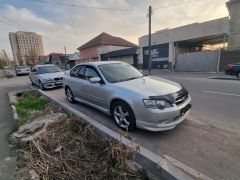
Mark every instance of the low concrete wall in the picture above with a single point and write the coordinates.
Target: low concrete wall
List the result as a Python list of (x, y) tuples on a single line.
[(155, 165)]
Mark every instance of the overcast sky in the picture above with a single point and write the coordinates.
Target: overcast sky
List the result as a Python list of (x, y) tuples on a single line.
[(73, 26)]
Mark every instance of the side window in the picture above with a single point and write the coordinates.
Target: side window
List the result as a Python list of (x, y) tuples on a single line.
[(74, 71), (81, 72), (90, 73)]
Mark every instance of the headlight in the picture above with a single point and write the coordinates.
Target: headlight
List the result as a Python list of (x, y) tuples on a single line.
[(50, 80), (47, 80), (156, 104), (44, 80)]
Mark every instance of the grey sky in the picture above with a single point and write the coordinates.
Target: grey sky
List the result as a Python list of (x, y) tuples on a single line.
[(74, 26)]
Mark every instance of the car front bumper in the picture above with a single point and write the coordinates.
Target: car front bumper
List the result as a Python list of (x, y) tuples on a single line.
[(161, 120), (49, 85), (22, 72)]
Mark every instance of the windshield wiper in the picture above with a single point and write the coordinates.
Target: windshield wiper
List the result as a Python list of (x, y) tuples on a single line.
[(131, 78)]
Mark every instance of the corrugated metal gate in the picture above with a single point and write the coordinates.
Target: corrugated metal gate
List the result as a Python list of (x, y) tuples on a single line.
[(198, 61)]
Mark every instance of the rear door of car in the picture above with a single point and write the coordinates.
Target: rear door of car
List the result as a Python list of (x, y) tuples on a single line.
[(94, 93)]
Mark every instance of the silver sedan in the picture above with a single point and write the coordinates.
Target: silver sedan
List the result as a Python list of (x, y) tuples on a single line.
[(132, 99)]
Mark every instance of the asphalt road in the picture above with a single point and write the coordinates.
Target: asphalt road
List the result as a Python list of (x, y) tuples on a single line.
[(204, 142), (215, 102), (7, 125)]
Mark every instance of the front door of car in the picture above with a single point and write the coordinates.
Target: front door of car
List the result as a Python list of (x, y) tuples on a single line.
[(33, 75), (94, 93), (76, 81)]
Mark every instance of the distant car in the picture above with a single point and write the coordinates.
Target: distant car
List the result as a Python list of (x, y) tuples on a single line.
[(133, 100), (233, 69), (46, 76), (22, 70)]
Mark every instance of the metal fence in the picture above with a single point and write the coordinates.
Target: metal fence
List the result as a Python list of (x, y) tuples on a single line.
[(198, 61)]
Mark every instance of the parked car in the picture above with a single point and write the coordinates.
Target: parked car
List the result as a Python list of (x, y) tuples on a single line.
[(132, 99), (233, 69), (22, 70), (46, 76)]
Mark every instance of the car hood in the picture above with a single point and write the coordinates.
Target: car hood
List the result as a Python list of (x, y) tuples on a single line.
[(150, 86), (51, 75)]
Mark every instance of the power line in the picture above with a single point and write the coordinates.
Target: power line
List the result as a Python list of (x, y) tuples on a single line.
[(8, 24), (11, 20), (175, 4), (82, 6)]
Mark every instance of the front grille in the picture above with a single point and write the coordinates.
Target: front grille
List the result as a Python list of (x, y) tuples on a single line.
[(58, 79), (182, 96)]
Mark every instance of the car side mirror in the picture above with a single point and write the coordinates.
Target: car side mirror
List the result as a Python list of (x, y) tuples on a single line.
[(95, 80)]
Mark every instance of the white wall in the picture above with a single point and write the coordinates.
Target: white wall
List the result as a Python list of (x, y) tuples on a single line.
[(126, 59), (191, 31)]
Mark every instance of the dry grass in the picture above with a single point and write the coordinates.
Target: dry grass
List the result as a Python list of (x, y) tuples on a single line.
[(72, 150)]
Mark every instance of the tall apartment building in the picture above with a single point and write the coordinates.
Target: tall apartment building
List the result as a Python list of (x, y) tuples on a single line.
[(24, 45)]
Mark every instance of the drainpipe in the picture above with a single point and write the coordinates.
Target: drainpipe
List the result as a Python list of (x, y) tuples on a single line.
[(219, 57)]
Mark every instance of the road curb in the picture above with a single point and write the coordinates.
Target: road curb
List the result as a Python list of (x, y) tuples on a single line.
[(224, 78), (12, 100), (158, 167)]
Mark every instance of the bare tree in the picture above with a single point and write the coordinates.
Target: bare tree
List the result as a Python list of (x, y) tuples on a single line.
[(4, 59)]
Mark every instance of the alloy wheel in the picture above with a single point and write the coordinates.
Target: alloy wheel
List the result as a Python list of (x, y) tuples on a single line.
[(121, 116), (69, 95)]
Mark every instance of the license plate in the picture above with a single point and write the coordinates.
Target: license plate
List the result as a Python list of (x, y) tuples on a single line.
[(185, 109)]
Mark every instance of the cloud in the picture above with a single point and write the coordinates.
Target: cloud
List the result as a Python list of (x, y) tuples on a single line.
[(25, 15), (73, 27)]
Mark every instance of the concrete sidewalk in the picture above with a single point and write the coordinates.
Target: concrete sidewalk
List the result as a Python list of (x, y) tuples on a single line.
[(8, 156), (223, 76), (208, 75)]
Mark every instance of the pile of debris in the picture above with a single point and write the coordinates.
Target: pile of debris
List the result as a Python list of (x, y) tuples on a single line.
[(68, 148)]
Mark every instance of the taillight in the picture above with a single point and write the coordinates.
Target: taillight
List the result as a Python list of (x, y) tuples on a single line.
[(229, 66)]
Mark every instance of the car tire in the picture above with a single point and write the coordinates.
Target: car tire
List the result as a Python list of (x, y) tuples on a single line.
[(69, 95), (41, 85), (31, 81), (123, 116)]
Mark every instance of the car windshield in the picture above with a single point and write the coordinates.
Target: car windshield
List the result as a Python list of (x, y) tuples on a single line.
[(21, 67), (117, 72), (48, 69)]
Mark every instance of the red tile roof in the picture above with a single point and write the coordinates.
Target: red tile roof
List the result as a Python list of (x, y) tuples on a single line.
[(106, 39)]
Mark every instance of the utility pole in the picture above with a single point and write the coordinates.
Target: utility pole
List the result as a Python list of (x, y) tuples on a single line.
[(149, 39), (65, 58), (65, 51)]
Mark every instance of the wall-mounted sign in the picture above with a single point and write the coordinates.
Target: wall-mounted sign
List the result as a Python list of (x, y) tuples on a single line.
[(159, 56)]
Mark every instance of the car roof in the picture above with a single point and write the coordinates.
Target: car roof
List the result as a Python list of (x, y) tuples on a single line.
[(97, 63)]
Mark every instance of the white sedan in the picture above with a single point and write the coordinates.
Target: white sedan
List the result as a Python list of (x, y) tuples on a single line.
[(46, 76)]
